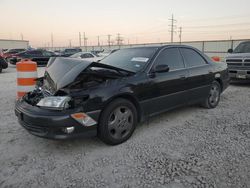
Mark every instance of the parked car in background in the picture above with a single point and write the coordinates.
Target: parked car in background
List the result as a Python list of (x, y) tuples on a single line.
[(96, 52), (9, 53), (70, 51), (238, 62), (105, 54), (58, 52), (3, 63), (41, 57), (88, 56), (109, 98)]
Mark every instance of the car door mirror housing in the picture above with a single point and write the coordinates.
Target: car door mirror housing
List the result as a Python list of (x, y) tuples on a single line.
[(161, 68), (230, 51)]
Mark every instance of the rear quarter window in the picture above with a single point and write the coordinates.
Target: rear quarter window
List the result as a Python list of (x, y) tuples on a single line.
[(192, 58)]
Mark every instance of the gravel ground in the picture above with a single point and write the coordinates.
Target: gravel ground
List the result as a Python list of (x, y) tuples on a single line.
[(187, 147)]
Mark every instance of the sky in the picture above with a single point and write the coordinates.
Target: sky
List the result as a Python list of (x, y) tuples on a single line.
[(137, 21)]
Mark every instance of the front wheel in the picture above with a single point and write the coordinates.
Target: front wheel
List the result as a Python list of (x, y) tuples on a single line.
[(117, 122), (213, 98), (1, 68)]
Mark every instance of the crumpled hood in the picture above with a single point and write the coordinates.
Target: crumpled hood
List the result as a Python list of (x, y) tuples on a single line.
[(62, 71), (238, 55)]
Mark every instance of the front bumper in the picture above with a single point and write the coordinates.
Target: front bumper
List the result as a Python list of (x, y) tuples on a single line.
[(13, 60), (239, 74), (3, 63), (50, 124)]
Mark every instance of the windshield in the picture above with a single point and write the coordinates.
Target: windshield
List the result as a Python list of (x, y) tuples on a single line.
[(131, 59), (243, 48)]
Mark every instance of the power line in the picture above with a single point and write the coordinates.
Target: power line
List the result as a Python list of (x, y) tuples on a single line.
[(119, 39), (85, 41), (180, 34), (109, 42), (98, 38), (173, 26), (220, 25), (80, 39), (52, 40)]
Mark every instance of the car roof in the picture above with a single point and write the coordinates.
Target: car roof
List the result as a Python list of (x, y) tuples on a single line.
[(245, 42), (72, 48), (161, 46)]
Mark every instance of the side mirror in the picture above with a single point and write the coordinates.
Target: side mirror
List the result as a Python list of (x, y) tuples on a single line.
[(230, 51), (161, 68)]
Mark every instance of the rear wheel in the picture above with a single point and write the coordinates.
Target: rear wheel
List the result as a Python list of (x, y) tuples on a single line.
[(117, 122), (213, 98), (1, 68)]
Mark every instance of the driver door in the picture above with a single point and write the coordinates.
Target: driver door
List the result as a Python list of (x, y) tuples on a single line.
[(169, 88)]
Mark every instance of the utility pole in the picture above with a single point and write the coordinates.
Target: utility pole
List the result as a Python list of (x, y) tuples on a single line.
[(80, 39), (173, 26), (109, 42), (21, 36), (69, 42), (98, 38), (119, 40), (52, 40), (85, 41), (180, 34)]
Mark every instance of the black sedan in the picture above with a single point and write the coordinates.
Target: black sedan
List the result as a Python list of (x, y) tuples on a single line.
[(41, 57), (3, 64), (109, 98)]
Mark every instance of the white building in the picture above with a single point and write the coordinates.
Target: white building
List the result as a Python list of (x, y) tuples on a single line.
[(10, 44)]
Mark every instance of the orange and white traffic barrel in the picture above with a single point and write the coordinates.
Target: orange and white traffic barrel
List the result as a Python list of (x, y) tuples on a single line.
[(26, 75)]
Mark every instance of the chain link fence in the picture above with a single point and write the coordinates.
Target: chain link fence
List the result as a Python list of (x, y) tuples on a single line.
[(211, 48)]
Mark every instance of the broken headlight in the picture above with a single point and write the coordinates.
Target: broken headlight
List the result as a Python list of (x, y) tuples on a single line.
[(54, 103)]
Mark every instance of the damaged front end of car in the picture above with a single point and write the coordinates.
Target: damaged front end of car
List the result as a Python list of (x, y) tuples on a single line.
[(60, 100), (54, 89)]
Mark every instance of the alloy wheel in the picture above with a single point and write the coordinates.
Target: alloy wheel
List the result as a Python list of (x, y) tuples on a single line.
[(120, 122), (214, 94)]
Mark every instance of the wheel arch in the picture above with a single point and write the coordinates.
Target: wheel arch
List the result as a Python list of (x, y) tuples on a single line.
[(130, 98), (220, 82)]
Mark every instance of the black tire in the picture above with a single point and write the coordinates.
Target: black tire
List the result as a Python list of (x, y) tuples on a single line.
[(1, 68), (213, 98), (117, 122)]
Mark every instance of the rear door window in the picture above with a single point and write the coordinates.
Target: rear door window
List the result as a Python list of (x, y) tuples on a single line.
[(192, 58)]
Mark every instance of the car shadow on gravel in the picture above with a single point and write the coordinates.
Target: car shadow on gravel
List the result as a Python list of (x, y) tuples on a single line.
[(75, 144), (240, 83), (174, 114)]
